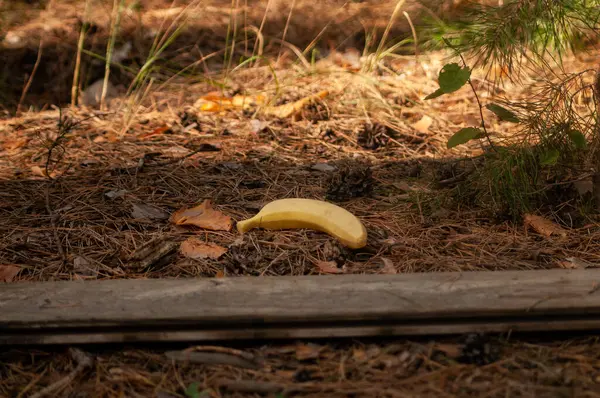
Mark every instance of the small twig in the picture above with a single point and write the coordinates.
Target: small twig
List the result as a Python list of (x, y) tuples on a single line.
[(252, 386), (212, 358), (202, 148), (54, 228), (453, 180), (83, 360)]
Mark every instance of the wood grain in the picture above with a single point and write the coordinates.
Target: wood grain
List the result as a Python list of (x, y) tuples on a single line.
[(296, 307)]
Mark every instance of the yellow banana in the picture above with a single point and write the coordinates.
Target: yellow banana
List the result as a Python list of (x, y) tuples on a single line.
[(309, 213)]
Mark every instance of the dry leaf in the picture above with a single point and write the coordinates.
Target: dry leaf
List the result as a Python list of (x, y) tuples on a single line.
[(220, 274), (359, 355), (16, 144), (328, 267), (158, 131), (142, 211), (543, 226), (451, 350), (323, 167), (574, 263), (8, 272), (196, 249), (213, 102), (38, 171), (293, 108), (388, 266), (308, 351), (245, 101), (422, 126), (203, 216)]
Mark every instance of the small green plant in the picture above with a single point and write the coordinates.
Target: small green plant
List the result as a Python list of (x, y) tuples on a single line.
[(554, 129), (193, 391)]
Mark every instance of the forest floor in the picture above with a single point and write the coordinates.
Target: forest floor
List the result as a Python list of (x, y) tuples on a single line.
[(83, 189)]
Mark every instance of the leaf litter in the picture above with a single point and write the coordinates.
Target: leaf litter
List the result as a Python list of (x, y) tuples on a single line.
[(409, 237)]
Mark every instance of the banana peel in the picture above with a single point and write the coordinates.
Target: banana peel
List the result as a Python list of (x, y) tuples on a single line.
[(313, 214)]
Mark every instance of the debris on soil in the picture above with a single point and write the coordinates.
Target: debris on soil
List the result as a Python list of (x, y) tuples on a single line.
[(154, 253), (350, 181), (479, 349)]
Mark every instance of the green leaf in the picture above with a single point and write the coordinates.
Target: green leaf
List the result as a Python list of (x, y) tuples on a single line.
[(192, 391), (463, 136), (550, 157), (435, 94), (452, 77), (578, 139), (503, 113)]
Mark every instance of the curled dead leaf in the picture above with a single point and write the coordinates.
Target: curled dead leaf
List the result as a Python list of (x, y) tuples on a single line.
[(203, 216), (543, 226), (196, 249)]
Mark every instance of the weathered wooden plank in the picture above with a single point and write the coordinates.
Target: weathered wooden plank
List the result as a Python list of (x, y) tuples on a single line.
[(292, 307)]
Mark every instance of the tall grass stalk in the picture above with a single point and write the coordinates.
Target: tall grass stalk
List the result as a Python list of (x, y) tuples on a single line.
[(80, 43), (114, 28)]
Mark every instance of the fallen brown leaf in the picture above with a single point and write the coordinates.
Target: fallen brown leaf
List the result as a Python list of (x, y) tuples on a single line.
[(451, 350), (196, 249), (141, 211), (543, 226), (157, 131), (308, 351), (359, 355), (40, 172), (8, 272), (328, 267), (203, 216), (213, 102), (422, 126), (574, 263), (293, 108), (388, 266), (16, 144)]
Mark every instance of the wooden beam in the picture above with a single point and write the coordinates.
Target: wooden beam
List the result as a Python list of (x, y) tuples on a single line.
[(298, 307)]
